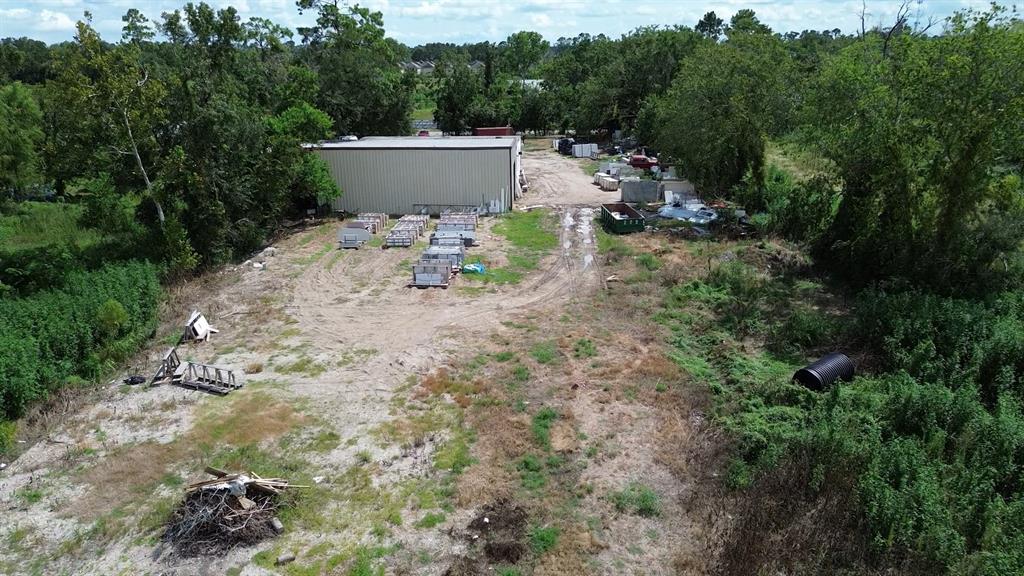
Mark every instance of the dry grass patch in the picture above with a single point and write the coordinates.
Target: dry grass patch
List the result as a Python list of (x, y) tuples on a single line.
[(123, 476), (129, 474), (247, 418), (568, 557)]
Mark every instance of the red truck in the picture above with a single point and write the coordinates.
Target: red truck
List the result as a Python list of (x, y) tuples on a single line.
[(641, 161)]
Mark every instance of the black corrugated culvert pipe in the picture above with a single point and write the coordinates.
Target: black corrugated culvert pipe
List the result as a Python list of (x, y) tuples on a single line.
[(826, 371)]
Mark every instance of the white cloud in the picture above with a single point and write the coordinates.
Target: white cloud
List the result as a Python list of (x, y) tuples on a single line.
[(540, 20), (58, 3), (15, 13), (50, 21)]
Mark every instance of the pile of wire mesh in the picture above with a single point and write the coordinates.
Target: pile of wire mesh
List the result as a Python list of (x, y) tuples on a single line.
[(231, 510)]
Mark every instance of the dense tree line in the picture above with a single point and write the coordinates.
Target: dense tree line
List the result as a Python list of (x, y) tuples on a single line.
[(920, 128), (186, 130), (915, 205)]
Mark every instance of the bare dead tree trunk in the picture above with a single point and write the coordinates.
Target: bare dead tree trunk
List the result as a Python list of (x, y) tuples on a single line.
[(897, 27), (142, 168), (863, 18)]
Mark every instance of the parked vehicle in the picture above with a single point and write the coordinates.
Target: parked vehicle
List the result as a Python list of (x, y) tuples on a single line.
[(423, 133), (643, 162)]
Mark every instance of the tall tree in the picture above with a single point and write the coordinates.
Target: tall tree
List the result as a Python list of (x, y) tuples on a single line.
[(118, 92), (20, 136), (362, 87), (137, 27), (457, 86), (745, 21), (521, 51), (725, 101), (920, 132), (710, 25)]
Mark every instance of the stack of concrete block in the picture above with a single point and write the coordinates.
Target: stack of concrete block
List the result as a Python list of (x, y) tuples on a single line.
[(406, 231), (584, 150), (636, 190), (380, 219), (454, 254), (428, 273)]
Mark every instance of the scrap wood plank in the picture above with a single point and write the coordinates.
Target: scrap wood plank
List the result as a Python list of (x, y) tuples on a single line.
[(215, 472), (197, 385), (197, 485)]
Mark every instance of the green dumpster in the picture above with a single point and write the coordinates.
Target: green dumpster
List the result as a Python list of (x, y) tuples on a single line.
[(621, 218)]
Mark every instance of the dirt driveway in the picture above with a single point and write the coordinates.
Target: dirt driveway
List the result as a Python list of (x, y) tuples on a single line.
[(328, 343), (557, 180)]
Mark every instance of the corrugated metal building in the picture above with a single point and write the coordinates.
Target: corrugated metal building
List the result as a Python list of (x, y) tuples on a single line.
[(415, 175)]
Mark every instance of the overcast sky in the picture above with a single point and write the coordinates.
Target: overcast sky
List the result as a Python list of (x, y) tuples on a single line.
[(419, 21)]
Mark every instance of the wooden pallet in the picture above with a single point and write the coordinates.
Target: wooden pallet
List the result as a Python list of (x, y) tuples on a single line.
[(168, 367), (205, 377), (194, 375)]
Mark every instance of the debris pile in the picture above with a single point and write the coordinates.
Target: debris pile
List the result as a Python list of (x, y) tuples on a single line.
[(230, 510), (197, 328)]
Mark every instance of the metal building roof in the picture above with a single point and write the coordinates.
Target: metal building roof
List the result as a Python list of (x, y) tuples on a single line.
[(420, 142)]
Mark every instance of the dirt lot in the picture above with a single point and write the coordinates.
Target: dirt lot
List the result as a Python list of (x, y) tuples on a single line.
[(559, 180), (418, 417)]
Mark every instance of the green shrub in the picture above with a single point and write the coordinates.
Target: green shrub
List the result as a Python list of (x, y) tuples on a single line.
[(111, 318), (541, 426), (544, 352), (638, 499), (52, 335), (933, 445), (584, 348), (105, 210), (805, 328), (7, 435), (543, 538), (32, 269), (648, 261)]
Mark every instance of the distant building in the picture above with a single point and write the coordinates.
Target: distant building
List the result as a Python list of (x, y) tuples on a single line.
[(494, 131), (427, 67), (416, 175), (418, 67)]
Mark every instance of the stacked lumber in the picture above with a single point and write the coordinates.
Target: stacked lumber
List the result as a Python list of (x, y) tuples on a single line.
[(222, 480)]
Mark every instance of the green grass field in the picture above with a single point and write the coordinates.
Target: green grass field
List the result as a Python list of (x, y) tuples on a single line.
[(532, 237), (425, 113), (26, 225)]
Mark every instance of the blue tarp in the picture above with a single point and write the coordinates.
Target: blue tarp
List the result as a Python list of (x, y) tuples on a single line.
[(476, 268)]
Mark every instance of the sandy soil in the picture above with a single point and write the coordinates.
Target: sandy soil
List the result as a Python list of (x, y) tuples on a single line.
[(348, 312), (557, 180)]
